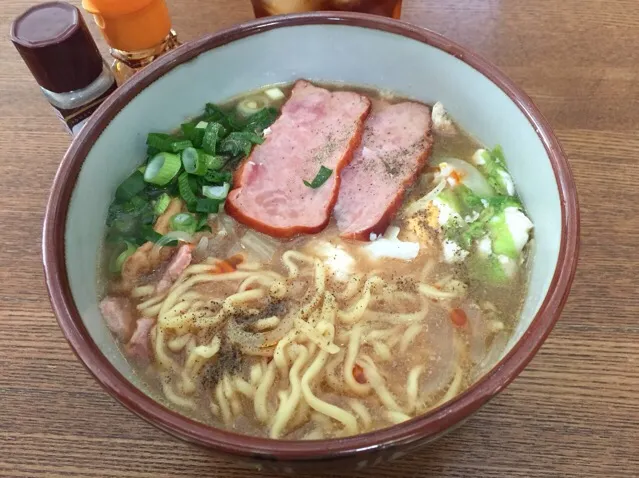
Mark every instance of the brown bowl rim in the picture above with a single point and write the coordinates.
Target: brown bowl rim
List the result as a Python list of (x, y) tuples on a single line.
[(417, 429)]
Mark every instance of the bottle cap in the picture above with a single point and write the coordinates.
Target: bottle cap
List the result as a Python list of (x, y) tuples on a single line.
[(56, 45), (131, 25)]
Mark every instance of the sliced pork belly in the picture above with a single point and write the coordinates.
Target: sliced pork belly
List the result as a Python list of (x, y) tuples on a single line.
[(180, 261), (316, 128), (119, 316), (138, 347), (395, 146)]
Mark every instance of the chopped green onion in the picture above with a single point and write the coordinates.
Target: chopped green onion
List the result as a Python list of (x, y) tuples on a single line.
[(179, 145), (322, 176), (124, 224), (260, 121), (213, 162), (135, 204), (201, 125), (151, 152), (214, 113), (253, 104), (212, 134), (193, 162), (154, 192), (185, 189), (240, 143), (184, 222), (193, 133), (188, 129), (151, 235), (208, 205), (216, 192), (162, 169), (115, 210), (130, 187), (218, 177), (148, 217), (203, 224), (157, 141), (120, 257), (166, 143), (162, 203), (194, 183)]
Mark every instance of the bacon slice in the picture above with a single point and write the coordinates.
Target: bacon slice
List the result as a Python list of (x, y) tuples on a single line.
[(317, 128), (395, 147)]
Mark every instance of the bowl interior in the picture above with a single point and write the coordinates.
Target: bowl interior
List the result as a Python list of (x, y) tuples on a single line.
[(334, 53)]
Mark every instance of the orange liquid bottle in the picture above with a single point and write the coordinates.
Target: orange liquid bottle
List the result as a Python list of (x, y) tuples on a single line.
[(137, 31), (388, 8)]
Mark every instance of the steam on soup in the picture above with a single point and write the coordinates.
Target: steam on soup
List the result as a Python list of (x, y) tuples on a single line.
[(314, 262)]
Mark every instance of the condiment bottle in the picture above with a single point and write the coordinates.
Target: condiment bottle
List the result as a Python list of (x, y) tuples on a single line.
[(56, 45), (138, 31)]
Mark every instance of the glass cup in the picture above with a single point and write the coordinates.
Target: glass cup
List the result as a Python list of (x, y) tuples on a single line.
[(387, 8)]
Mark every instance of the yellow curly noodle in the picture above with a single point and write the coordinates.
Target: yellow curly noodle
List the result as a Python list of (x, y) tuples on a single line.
[(294, 378)]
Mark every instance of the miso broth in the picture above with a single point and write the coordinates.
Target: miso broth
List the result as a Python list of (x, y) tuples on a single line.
[(311, 336)]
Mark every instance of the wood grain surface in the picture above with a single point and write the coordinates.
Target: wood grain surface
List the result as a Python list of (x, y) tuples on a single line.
[(573, 412)]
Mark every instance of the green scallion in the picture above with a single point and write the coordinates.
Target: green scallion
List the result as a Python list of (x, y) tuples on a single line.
[(130, 187), (178, 145), (161, 204), (162, 169), (216, 192), (185, 189), (208, 205), (260, 121), (218, 177), (136, 204), (193, 162), (124, 224), (167, 144), (149, 234), (240, 143), (214, 163), (184, 222), (253, 104), (157, 141), (203, 224), (322, 176), (193, 132), (120, 256), (212, 134)]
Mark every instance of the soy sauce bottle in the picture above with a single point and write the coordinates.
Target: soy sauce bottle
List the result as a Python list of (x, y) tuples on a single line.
[(56, 45)]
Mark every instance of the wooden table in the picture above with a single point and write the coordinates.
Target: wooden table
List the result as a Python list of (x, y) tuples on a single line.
[(573, 412)]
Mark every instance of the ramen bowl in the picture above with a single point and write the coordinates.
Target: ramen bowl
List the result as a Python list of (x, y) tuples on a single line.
[(363, 50)]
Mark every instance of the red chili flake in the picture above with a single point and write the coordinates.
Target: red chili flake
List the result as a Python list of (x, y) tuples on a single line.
[(358, 374), (458, 317), (225, 267), (235, 260)]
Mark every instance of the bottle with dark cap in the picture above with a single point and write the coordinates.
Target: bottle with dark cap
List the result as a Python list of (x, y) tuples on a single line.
[(56, 45)]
